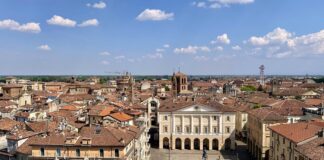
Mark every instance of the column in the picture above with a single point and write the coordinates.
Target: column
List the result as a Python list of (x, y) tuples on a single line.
[(182, 144), (200, 125), (191, 124), (182, 125), (210, 144), (210, 124), (201, 144), (173, 143), (172, 124), (191, 144), (220, 124)]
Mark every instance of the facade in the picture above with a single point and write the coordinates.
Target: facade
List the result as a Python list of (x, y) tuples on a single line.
[(258, 135), (241, 121), (109, 142), (286, 138), (195, 125)]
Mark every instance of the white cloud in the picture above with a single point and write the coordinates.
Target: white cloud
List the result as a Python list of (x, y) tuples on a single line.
[(89, 22), (191, 49), (280, 43), (201, 58), (159, 50), (234, 1), (98, 5), (236, 48), (154, 15), (105, 53), (222, 39), (120, 57), (104, 62), (44, 47), (258, 41), (155, 56), (60, 21), (219, 48), (166, 46), (216, 4), (201, 4), (277, 35), (10, 24)]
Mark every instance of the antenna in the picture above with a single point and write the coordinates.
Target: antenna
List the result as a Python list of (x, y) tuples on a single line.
[(262, 74)]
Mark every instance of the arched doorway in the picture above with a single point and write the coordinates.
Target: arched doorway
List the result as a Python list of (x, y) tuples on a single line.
[(178, 143), (215, 144), (187, 143), (166, 143), (196, 144), (206, 144), (227, 144)]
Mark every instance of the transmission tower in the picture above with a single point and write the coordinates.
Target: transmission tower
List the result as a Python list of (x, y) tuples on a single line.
[(262, 74)]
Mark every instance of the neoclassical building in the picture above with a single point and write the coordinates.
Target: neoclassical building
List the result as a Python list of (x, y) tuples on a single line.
[(195, 124)]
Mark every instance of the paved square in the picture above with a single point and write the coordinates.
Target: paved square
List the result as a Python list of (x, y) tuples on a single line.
[(165, 154)]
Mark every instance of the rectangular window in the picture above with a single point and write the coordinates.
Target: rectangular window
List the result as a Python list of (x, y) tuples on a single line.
[(227, 129), (42, 152), (58, 152), (77, 152), (283, 140), (165, 118), (165, 129), (196, 129), (187, 129), (215, 118), (101, 152), (116, 152), (178, 129), (215, 130), (205, 129)]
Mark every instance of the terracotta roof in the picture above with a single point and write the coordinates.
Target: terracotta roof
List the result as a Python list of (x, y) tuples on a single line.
[(296, 132), (21, 134), (7, 124), (76, 97), (12, 86), (103, 136), (106, 111), (314, 102), (267, 114), (121, 116), (69, 108), (42, 126), (290, 92), (290, 107), (171, 105), (313, 149)]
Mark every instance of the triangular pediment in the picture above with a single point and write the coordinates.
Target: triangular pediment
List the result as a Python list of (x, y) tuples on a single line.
[(198, 108)]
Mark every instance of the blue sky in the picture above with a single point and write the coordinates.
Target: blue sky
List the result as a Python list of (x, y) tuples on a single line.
[(159, 36)]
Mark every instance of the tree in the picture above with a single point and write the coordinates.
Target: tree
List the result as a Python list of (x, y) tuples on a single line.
[(248, 88)]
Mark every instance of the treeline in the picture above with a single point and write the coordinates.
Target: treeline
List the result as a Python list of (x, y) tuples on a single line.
[(319, 80)]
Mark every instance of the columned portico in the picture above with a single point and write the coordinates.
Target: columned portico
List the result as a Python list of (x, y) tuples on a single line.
[(196, 127)]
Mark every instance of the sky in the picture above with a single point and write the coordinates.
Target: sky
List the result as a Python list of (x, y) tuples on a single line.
[(158, 37)]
